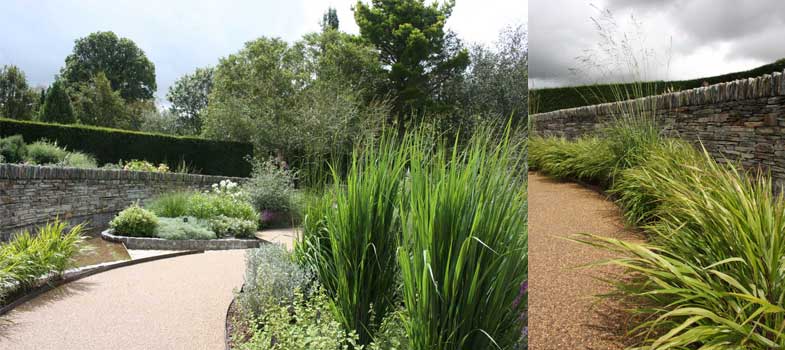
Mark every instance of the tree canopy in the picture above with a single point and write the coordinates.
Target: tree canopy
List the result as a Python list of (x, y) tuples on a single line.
[(189, 97), (124, 63), (57, 106), (294, 100), (420, 56), (95, 103), (16, 97), (330, 19)]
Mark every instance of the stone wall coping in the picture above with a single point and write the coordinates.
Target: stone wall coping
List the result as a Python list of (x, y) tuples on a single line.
[(767, 85), (185, 244), (22, 171)]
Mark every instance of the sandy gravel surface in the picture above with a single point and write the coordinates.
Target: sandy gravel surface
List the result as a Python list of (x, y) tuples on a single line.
[(563, 314), (175, 303), (284, 236)]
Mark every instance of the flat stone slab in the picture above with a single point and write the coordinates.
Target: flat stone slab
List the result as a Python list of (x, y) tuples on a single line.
[(185, 244)]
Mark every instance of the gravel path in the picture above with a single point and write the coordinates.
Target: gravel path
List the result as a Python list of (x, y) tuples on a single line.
[(563, 314), (175, 303)]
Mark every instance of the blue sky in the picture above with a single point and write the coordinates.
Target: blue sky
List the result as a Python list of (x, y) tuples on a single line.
[(181, 35)]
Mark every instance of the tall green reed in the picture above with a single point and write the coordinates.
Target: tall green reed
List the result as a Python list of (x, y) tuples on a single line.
[(350, 236), (463, 251)]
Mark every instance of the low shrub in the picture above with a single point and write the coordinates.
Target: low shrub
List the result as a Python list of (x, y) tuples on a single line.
[(13, 149), (143, 165), (135, 221), (303, 324), (271, 279), (185, 227), (45, 153), (225, 226), (202, 206), (271, 187), (79, 160), (28, 257)]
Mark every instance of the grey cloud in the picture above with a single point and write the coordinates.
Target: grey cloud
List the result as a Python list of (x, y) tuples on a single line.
[(750, 30)]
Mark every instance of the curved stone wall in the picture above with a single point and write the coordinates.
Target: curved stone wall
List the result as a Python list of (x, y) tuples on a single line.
[(741, 120), (33, 195)]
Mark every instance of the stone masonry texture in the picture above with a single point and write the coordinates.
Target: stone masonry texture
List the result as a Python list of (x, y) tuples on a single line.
[(33, 195), (742, 120)]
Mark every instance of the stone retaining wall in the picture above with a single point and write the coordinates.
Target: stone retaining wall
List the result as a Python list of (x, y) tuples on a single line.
[(740, 120), (186, 244), (33, 195)]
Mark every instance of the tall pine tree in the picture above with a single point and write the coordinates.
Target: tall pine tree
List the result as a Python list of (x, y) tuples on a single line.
[(57, 105)]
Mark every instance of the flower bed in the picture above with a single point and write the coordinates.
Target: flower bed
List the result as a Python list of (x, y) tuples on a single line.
[(187, 244)]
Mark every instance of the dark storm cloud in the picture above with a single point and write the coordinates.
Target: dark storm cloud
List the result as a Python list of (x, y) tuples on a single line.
[(750, 31)]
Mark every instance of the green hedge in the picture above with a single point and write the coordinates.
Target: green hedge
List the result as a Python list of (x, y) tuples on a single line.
[(208, 157), (551, 99)]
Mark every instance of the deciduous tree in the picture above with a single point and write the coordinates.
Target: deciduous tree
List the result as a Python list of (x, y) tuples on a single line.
[(16, 97), (95, 103), (124, 63), (189, 97)]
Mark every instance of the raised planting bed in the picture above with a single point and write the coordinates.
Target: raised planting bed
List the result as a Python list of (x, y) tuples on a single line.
[(185, 244)]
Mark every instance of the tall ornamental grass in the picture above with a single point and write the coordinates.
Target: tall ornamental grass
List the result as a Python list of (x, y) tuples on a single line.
[(712, 275), (715, 275), (26, 258), (350, 236), (464, 245), (585, 159)]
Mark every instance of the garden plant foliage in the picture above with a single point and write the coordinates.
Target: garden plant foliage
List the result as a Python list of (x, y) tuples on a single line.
[(711, 276)]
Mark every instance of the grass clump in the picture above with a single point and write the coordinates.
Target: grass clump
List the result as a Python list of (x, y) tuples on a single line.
[(171, 205), (350, 237), (135, 221), (464, 245), (79, 160), (426, 235), (712, 275), (45, 152), (26, 258)]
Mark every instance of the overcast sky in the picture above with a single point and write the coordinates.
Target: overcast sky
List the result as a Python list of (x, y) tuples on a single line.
[(686, 39), (181, 35)]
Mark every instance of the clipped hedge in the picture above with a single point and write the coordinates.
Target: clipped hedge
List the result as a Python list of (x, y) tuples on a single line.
[(208, 157), (552, 99)]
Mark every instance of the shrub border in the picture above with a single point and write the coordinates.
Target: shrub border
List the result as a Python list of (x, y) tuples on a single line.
[(185, 244), (52, 282)]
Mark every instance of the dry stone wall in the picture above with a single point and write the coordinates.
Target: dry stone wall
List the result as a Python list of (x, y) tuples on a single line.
[(33, 195), (741, 120)]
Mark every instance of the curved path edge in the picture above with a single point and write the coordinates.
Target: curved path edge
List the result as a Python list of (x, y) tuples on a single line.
[(564, 312), (76, 274)]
